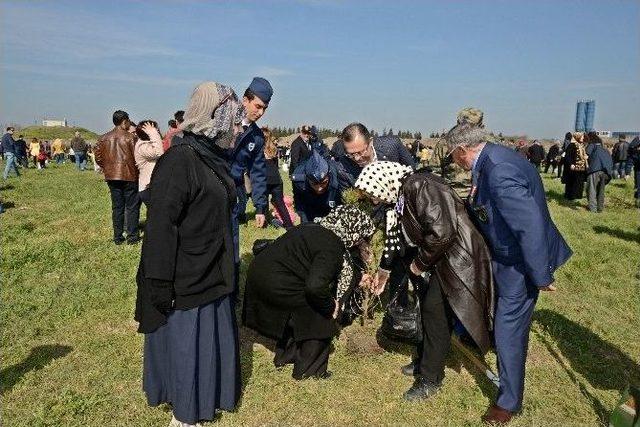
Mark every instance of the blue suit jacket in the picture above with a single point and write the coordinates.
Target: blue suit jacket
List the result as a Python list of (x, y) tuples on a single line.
[(248, 155), (510, 208)]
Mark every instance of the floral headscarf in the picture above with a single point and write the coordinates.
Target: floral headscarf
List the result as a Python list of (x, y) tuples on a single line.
[(352, 225), (383, 181)]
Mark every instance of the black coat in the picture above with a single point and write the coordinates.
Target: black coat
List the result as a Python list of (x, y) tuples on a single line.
[(300, 151), (295, 277), (573, 180), (272, 171), (536, 153), (554, 152), (187, 254)]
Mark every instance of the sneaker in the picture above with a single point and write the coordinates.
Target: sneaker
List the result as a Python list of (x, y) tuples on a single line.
[(421, 389)]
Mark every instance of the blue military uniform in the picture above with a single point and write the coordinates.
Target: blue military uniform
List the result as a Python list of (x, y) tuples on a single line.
[(509, 206), (310, 205)]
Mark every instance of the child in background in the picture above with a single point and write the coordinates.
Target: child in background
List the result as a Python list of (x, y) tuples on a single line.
[(277, 221)]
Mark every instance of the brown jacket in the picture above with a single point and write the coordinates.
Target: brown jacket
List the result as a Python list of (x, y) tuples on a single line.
[(435, 219), (115, 155)]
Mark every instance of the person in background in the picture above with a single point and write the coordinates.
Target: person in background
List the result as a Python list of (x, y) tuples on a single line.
[(634, 155), (508, 205), (301, 147), (9, 152), (522, 148), (562, 154), (34, 151), (147, 151), (186, 279), (599, 172), (620, 155), (174, 129), (275, 187), (21, 152), (317, 186), (42, 158), (295, 288), (551, 160), (575, 168), (79, 146), (115, 155), (58, 151), (535, 154)]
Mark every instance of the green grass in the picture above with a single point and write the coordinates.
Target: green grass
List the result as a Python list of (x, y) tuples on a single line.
[(71, 356), (52, 132)]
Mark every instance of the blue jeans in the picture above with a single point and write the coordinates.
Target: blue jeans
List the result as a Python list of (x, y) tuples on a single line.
[(81, 161), (10, 159), (619, 169), (59, 158)]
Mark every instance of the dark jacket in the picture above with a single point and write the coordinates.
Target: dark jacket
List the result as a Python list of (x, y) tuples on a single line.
[(272, 171), (295, 277), (599, 159), (187, 254), (620, 151), (510, 208), (300, 151), (114, 154), (8, 144), (310, 205), (389, 148), (79, 145), (552, 154), (435, 219), (535, 154), (21, 148), (248, 156)]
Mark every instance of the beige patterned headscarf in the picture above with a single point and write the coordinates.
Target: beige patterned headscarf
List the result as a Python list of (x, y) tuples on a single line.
[(212, 111)]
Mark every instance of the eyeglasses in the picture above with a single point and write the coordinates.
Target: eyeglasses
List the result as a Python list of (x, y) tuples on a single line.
[(359, 154)]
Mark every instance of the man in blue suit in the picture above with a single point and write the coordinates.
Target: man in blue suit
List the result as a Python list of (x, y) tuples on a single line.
[(508, 204), (247, 155)]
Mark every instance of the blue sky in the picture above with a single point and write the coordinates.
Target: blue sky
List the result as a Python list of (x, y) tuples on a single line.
[(401, 64)]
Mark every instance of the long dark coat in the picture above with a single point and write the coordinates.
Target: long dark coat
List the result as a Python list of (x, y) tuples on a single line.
[(573, 180), (295, 278)]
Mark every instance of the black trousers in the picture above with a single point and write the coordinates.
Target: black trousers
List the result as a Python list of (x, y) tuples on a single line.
[(436, 330), (125, 203), (277, 198), (310, 358)]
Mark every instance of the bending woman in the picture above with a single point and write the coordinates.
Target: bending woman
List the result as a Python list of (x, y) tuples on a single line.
[(432, 219), (296, 286), (186, 275)]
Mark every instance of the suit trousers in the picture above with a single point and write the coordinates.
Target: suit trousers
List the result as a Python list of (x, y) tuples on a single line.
[(436, 330), (310, 358), (511, 328), (125, 203), (596, 183)]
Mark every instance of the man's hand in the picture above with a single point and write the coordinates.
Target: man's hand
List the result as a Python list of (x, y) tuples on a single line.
[(415, 270), (549, 288), (260, 220), (335, 311), (367, 281)]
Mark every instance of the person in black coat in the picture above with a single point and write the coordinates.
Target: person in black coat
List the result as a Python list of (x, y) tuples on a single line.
[(552, 158), (186, 275), (562, 154), (535, 154), (301, 148), (298, 285), (575, 168)]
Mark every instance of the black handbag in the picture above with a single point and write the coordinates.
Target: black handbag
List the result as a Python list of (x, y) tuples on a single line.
[(402, 323)]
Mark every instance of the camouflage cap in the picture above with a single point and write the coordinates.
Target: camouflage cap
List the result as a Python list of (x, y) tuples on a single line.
[(471, 116)]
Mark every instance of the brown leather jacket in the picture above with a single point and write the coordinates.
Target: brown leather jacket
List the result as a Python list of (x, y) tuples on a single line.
[(435, 219), (114, 154)]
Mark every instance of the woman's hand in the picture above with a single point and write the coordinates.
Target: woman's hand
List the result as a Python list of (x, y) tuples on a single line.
[(367, 281), (382, 277), (152, 131)]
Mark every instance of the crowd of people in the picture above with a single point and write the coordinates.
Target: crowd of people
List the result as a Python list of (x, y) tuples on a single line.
[(479, 262)]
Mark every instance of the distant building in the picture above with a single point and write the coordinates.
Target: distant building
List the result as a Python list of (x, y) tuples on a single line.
[(606, 133), (585, 115), (629, 134), (50, 122)]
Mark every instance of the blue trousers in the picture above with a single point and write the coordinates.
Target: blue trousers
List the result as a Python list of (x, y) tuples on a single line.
[(514, 310), (81, 161), (10, 162)]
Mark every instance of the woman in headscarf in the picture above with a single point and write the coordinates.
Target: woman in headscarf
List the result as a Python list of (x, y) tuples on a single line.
[(299, 284), (185, 279), (316, 187), (431, 222), (575, 167)]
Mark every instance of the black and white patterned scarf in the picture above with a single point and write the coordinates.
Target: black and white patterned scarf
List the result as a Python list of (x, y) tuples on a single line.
[(352, 225), (383, 180)]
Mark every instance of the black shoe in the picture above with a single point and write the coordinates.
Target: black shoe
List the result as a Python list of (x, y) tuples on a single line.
[(326, 375), (119, 241), (133, 241), (421, 389), (410, 370)]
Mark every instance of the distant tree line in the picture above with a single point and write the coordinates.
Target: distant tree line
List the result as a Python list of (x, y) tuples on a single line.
[(281, 131)]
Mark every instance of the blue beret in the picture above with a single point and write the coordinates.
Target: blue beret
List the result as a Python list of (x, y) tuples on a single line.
[(316, 168), (262, 88)]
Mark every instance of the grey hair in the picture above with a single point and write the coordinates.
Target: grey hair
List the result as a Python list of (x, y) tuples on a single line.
[(465, 135)]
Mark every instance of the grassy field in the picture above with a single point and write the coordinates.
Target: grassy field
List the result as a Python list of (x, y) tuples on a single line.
[(71, 355)]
